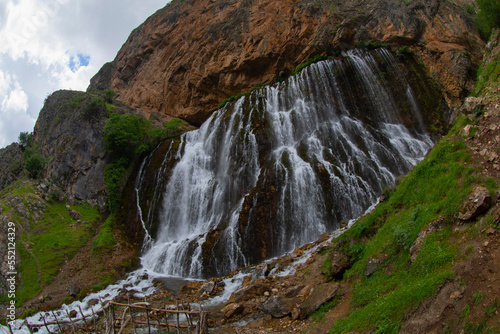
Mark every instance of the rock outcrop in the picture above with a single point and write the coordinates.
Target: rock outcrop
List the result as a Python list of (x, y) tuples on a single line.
[(11, 164), (70, 140), (191, 55)]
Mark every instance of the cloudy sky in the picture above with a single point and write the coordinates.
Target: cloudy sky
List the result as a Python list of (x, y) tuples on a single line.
[(47, 45)]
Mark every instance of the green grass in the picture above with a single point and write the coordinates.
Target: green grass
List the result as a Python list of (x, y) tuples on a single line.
[(435, 188), (44, 246), (104, 241)]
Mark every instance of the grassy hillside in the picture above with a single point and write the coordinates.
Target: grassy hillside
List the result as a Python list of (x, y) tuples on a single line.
[(401, 281), (47, 236)]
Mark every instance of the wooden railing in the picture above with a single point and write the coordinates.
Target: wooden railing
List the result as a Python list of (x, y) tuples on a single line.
[(134, 314)]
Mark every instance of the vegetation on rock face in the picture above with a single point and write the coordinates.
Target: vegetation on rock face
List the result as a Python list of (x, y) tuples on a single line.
[(126, 137), (488, 17), (33, 160), (488, 80), (25, 138)]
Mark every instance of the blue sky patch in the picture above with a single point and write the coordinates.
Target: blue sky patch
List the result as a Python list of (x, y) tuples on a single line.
[(80, 60)]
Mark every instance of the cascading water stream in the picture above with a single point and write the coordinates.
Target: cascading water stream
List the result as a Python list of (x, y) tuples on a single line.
[(280, 166)]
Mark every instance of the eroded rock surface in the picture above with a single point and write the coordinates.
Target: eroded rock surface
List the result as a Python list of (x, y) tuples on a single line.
[(189, 56)]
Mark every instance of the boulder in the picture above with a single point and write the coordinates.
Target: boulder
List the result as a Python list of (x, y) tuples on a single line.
[(278, 306), (417, 245), (207, 288), (471, 104), (340, 263), (250, 291), (321, 294), (373, 264), (72, 213), (73, 291), (232, 309), (478, 202)]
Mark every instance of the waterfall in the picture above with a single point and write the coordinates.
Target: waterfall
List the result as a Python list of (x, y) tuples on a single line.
[(280, 166)]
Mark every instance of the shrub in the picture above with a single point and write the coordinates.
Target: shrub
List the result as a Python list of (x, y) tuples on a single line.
[(109, 95), (403, 52), (33, 162), (94, 110), (172, 127), (308, 62), (25, 138), (488, 17), (114, 175), (123, 134)]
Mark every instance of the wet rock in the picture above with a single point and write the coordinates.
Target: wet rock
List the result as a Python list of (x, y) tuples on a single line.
[(478, 202), (321, 294), (232, 310), (93, 302), (417, 245), (250, 292), (207, 288), (277, 306), (73, 291), (323, 237)]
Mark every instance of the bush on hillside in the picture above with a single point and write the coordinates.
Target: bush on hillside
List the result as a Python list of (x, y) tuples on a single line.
[(33, 162), (488, 17)]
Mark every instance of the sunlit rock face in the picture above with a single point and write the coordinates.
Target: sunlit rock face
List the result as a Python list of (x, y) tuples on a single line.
[(191, 55)]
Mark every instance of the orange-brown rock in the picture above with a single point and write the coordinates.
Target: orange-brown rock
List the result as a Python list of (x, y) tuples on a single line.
[(191, 55)]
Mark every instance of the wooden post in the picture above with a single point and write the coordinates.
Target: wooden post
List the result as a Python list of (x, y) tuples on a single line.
[(166, 321), (72, 325), (177, 315), (83, 317), (103, 308), (159, 324), (132, 318), (113, 318), (147, 318), (28, 325), (59, 326), (45, 323), (94, 318)]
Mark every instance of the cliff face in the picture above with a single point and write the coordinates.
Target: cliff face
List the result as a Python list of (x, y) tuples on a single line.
[(11, 164), (191, 55), (70, 140)]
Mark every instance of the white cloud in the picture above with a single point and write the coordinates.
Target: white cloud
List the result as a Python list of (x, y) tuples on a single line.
[(58, 44), (14, 116), (16, 101)]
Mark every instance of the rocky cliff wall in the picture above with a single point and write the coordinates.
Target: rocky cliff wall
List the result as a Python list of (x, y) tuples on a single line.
[(193, 54), (69, 137), (11, 164)]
